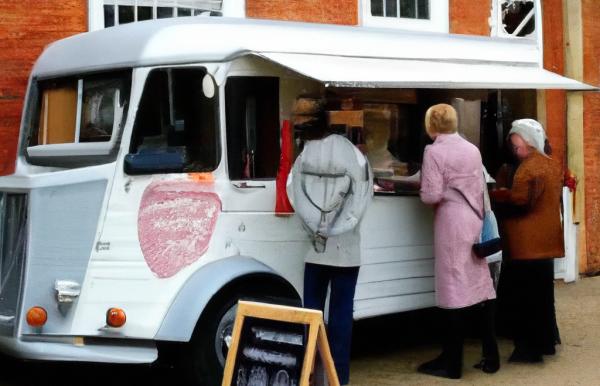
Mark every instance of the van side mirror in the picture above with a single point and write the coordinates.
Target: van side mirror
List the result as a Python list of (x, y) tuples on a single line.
[(208, 86), (151, 161)]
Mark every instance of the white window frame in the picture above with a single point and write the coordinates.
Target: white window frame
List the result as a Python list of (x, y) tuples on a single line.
[(230, 8), (439, 18), (496, 22), (497, 31)]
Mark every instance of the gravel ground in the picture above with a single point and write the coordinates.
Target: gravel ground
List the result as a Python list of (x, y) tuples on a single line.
[(387, 351)]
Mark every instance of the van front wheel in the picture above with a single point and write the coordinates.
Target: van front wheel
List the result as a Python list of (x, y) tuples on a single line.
[(204, 359)]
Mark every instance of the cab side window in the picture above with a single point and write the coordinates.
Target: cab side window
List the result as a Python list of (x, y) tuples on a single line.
[(252, 112), (176, 127), (77, 110), (77, 120)]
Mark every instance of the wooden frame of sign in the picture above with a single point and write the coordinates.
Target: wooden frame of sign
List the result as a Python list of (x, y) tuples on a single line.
[(317, 337)]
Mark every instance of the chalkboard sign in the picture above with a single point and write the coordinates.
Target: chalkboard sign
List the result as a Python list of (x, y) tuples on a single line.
[(275, 345)]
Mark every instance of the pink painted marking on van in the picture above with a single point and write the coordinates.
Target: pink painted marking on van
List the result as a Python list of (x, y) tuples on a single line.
[(175, 223)]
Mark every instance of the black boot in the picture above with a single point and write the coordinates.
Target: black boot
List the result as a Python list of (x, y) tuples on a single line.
[(522, 355), (490, 362), (439, 367), (449, 363), (489, 366), (549, 350), (437, 363)]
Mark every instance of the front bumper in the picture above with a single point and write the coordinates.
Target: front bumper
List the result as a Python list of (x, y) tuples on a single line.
[(72, 349)]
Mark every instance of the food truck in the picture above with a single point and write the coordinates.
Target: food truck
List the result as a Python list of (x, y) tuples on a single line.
[(142, 207)]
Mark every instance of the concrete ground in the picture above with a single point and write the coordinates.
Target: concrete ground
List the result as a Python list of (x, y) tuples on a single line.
[(387, 351), (577, 361)]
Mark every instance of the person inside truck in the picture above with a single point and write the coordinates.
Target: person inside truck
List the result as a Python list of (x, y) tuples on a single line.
[(452, 182)]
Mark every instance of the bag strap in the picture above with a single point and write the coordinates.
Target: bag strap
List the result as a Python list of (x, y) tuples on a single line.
[(325, 175), (320, 239), (480, 215), (485, 198)]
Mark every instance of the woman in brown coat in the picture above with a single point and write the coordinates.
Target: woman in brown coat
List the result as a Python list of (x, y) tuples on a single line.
[(532, 237)]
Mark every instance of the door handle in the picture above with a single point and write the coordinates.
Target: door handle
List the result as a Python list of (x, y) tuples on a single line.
[(245, 185)]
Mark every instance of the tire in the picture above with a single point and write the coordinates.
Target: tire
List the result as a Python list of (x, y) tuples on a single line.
[(204, 358)]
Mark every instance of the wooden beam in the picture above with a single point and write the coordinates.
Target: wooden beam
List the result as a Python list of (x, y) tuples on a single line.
[(573, 45)]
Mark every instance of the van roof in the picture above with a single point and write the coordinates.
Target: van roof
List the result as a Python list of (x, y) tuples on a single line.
[(218, 39)]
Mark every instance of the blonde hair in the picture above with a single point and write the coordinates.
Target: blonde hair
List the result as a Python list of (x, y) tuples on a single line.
[(441, 119)]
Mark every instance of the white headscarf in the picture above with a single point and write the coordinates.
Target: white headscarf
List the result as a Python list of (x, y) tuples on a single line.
[(531, 131)]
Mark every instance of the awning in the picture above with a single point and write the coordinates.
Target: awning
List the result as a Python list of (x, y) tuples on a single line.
[(343, 71)]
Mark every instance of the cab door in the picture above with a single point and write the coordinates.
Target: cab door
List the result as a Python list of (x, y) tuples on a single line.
[(253, 144), (252, 128)]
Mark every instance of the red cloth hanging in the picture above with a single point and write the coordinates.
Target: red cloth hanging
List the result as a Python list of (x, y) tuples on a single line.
[(282, 203)]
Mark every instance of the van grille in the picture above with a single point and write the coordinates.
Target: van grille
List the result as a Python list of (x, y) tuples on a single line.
[(13, 235)]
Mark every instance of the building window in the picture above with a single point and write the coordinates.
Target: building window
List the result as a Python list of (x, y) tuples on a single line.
[(420, 15), (515, 18), (411, 9), (118, 12), (109, 13)]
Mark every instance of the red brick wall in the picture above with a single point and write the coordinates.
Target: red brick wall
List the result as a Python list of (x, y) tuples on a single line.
[(591, 130), (468, 19), (554, 60), (26, 26), (316, 11)]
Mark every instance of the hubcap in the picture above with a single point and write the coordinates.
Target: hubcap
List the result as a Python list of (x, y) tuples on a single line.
[(223, 335)]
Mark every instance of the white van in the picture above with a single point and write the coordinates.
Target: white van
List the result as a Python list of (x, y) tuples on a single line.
[(145, 180)]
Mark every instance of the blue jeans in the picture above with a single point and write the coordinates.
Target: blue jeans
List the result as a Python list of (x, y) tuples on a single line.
[(317, 278)]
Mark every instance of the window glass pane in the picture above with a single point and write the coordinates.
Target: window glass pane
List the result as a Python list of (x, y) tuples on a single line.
[(164, 12), (252, 108), (58, 113), (125, 14), (98, 109), (513, 13), (153, 116), (391, 9), (197, 116), (423, 9), (58, 109), (144, 13), (184, 12), (389, 144), (13, 234), (109, 16), (377, 7), (408, 9), (528, 28), (175, 131), (202, 12), (212, 5)]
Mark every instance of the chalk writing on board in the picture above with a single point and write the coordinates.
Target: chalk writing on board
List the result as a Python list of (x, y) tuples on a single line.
[(275, 345), (272, 353)]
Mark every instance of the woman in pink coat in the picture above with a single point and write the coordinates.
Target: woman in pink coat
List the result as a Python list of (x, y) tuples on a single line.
[(452, 181)]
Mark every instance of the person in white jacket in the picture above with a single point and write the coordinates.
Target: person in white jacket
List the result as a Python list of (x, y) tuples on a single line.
[(330, 187)]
